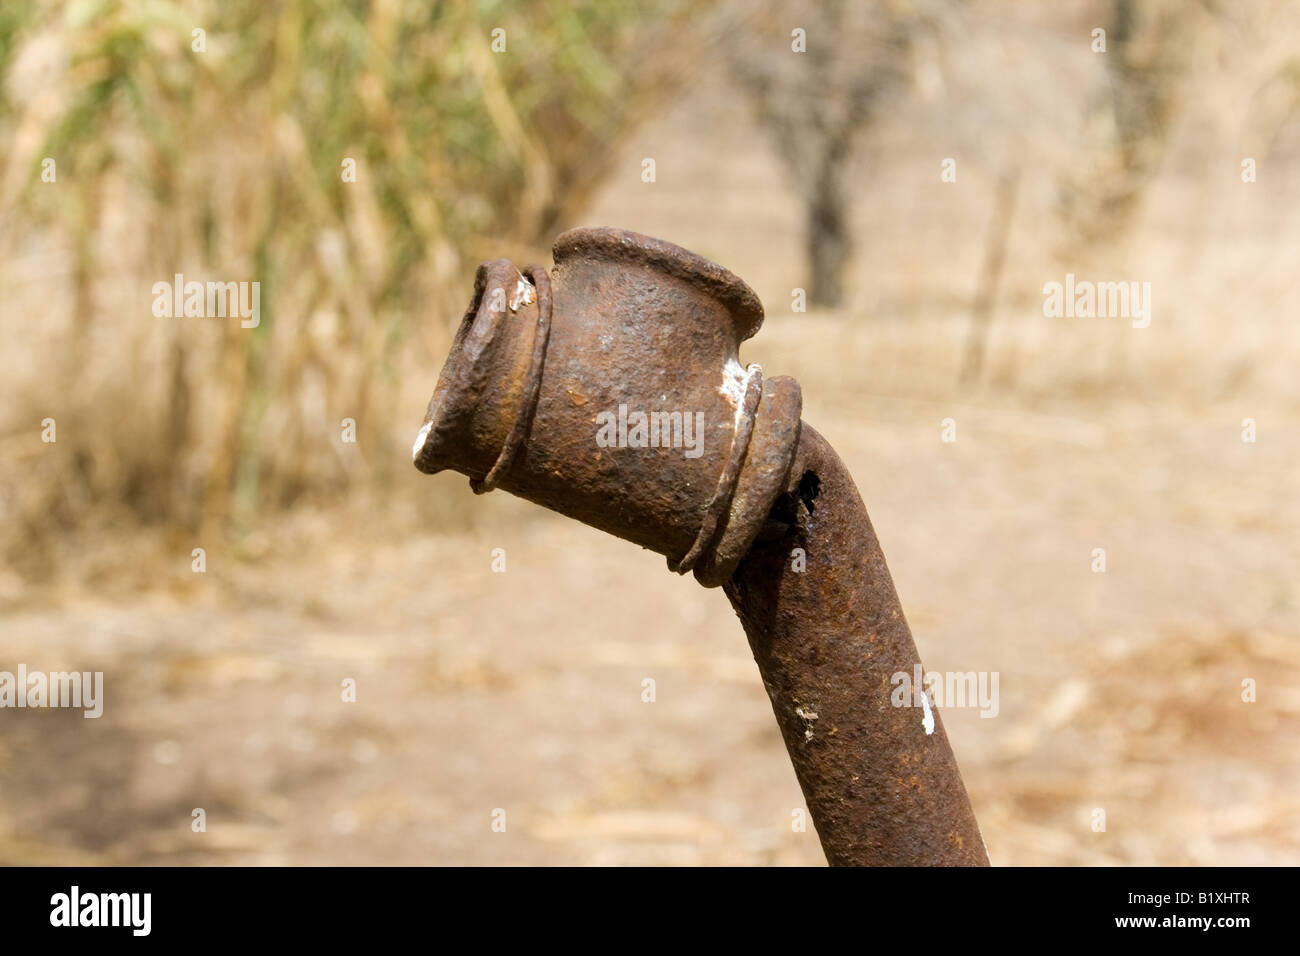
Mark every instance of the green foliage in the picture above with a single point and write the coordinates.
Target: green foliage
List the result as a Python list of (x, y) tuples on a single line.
[(228, 162)]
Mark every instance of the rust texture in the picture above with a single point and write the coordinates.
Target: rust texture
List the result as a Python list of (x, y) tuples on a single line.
[(628, 324), (828, 633)]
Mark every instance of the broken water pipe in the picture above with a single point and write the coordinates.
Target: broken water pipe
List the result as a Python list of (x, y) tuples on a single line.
[(535, 398)]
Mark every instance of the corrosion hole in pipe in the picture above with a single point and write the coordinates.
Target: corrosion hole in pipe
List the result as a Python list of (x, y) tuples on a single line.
[(787, 513), (809, 487)]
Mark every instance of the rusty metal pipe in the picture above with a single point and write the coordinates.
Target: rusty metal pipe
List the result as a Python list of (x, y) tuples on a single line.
[(727, 482), (881, 781)]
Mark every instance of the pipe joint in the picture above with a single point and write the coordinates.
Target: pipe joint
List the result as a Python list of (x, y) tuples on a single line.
[(611, 391)]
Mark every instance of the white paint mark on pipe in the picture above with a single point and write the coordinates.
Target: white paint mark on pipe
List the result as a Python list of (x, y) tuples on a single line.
[(808, 715), (420, 439), (927, 721), (525, 294), (734, 377), (735, 383)]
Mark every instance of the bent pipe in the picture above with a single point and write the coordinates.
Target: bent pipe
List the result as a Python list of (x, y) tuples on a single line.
[(610, 391)]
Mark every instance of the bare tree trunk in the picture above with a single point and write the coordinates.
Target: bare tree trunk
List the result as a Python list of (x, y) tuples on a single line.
[(986, 293), (828, 232), (814, 106)]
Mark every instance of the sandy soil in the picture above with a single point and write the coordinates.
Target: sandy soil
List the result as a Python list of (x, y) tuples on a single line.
[(522, 690)]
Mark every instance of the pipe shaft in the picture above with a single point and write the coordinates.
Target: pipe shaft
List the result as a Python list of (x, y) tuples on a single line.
[(828, 633)]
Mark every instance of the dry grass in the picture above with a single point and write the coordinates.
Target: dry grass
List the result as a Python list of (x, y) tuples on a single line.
[(229, 164)]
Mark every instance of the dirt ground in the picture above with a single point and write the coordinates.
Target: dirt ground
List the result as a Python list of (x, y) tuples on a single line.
[(521, 691)]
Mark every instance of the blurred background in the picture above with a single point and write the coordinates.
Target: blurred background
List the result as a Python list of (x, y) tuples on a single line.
[(222, 155)]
